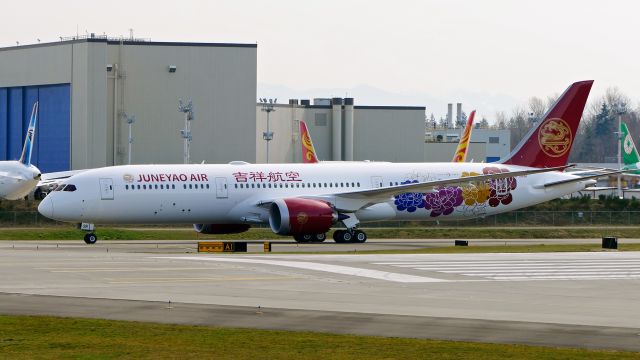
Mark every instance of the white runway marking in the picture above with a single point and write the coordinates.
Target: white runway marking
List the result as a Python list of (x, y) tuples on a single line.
[(336, 269), (553, 268)]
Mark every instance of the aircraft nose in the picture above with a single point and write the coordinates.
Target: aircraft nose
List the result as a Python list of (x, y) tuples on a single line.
[(46, 207)]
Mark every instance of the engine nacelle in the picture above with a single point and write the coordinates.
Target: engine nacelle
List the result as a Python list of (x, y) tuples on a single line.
[(221, 228), (301, 216)]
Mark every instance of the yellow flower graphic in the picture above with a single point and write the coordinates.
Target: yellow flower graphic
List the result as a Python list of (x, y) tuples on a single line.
[(475, 193)]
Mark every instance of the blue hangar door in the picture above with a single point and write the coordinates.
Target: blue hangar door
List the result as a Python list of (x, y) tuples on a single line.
[(52, 146)]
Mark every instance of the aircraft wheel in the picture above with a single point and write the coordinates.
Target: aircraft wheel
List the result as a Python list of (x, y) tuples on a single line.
[(90, 238), (304, 238), (346, 236), (359, 236), (320, 237), (337, 236)]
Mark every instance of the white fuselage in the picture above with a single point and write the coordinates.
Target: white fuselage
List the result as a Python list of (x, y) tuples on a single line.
[(17, 180), (233, 193)]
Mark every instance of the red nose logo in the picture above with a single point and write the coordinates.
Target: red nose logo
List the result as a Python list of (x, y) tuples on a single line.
[(554, 137)]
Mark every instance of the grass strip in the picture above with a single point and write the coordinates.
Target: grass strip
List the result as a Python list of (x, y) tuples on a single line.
[(111, 233), (38, 337)]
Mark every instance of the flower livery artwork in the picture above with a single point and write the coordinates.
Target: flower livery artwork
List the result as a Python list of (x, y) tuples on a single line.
[(475, 193), (470, 199), (409, 201), (500, 192), (443, 201)]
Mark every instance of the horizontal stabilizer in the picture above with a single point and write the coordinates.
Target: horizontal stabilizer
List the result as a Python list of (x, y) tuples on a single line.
[(578, 179)]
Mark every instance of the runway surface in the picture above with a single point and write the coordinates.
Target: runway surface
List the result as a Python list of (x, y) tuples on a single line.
[(561, 299)]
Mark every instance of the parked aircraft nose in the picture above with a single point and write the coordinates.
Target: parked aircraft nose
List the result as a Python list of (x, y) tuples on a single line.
[(46, 207)]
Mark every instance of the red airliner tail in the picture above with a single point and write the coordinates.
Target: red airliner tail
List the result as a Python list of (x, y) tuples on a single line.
[(549, 143)]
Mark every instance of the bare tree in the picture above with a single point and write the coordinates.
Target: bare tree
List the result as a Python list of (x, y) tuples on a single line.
[(537, 108)]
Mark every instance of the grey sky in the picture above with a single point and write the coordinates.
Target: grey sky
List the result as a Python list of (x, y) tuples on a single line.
[(490, 54)]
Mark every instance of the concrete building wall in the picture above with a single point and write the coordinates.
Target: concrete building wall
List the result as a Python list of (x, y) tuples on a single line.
[(219, 78), (89, 132), (443, 152), (389, 134), (35, 65), (380, 133), (479, 138)]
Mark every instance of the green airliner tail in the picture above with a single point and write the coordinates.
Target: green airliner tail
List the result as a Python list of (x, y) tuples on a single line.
[(629, 152)]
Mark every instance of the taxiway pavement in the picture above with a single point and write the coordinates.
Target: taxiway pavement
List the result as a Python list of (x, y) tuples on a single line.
[(560, 299)]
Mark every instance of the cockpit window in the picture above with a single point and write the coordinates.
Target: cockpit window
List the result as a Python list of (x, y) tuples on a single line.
[(70, 187), (59, 187)]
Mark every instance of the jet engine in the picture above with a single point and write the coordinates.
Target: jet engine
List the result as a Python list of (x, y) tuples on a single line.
[(301, 216), (220, 228)]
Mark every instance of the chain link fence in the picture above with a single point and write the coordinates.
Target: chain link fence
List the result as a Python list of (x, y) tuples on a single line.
[(513, 218)]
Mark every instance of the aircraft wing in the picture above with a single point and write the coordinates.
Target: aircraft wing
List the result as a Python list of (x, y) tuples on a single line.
[(352, 201), (56, 177)]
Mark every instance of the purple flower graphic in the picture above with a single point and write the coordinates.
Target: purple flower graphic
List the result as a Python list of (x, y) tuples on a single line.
[(409, 201), (443, 201), (500, 192)]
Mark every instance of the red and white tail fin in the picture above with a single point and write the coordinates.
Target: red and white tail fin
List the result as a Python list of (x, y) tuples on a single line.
[(463, 146), (308, 151), (549, 143)]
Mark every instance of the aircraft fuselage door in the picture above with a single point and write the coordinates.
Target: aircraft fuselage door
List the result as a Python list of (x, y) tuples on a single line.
[(106, 189), (376, 182), (221, 188)]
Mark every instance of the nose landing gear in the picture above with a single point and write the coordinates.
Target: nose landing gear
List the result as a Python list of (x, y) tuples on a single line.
[(89, 238)]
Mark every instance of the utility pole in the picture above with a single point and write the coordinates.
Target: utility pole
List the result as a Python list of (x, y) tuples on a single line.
[(268, 107), (620, 110), (187, 110), (130, 121)]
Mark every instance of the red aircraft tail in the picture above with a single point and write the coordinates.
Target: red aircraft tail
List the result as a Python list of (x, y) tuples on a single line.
[(549, 143), (308, 151)]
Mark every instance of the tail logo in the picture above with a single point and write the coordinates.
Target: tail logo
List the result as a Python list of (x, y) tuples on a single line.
[(628, 144), (306, 142), (554, 137)]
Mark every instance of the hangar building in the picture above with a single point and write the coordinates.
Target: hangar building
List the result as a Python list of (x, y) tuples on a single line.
[(87, 86), (341, 130)]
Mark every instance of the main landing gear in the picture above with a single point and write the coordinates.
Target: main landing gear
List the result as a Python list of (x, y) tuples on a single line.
[(307, 238), (89, 238), (349, 236)]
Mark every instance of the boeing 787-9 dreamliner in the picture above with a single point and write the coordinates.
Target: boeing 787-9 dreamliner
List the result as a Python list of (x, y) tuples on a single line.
[(306, 200)]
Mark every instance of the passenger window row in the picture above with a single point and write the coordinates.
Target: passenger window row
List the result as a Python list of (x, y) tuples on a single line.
[(296, 185), (164, 187)]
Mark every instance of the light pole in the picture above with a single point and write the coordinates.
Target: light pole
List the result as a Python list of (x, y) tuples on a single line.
[(620, 111), (268, 107), (130, 121), (186, 132)]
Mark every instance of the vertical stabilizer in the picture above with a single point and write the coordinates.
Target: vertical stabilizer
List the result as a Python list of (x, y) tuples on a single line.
[(25, 158), (463, 146), (308, 151), (549, 143), (629, 150)]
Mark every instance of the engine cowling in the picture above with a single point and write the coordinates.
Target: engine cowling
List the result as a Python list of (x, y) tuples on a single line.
[(301, 216), (221, 228)]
